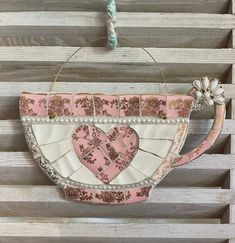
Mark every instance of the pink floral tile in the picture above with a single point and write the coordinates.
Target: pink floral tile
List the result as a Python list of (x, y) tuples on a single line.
[(110, 197), (106, 105), (60, 105), (111, 172), (178, 106), (114, 197), (179, 138), (83, 147), (181, 160), (135, 195), (129, 105), (83, 105), (109, 150), (78, 194), (153, 105), (164, 168), (33, 105), (96, 161), (82, 132), (205, 145), (97, 149)]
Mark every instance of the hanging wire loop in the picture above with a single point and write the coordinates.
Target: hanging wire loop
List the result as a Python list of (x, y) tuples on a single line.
[(101, 38)]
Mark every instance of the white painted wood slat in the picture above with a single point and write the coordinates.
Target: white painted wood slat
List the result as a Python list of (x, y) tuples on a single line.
[(133, 230), (212, 6), (125, 19), (120, 55)]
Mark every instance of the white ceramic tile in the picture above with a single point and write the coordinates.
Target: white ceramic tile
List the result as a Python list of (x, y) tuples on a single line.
[(84, 175), (46, 133), (55, 150), (146, 163), (129, 175), (159, 147), (155, 131), (105, 127), (67, 164)]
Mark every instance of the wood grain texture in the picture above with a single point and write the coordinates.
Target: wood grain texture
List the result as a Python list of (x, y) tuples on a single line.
[(203, 6), (232, 220), (232, 7), (120, 55), (133, 230), (105, 240), (14, 89), (130, 20), (164, 203), (79, 28), (15, 71), (148, 37)]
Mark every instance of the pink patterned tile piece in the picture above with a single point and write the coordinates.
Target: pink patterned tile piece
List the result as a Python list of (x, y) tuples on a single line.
[(212, 136), (106, 105), (107, 197), (129, 105), (179, 106), (105, 154), (33, 105), (220, 114), (181, 160), (153, 105), (135, 195), (83, 105), (110, 197), (111, 172), (179, 138), (164, 168), (79, 194), (96, 161), (195, 153), (60, 105)]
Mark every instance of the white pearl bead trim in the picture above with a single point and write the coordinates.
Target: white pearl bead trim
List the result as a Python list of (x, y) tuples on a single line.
[(147, 182), (103, 120)]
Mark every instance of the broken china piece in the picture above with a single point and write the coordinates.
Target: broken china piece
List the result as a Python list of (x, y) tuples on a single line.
[(114, 149)]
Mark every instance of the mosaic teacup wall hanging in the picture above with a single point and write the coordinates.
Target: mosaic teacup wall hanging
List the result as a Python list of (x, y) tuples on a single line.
[(113, 149)]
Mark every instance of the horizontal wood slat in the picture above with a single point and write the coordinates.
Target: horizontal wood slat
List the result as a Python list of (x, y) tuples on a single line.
[(164, 203), (103, 240), (119, 72), (120, 231), (125, 20), (120, 55), (212, 6), (73, 36), (12, 90)]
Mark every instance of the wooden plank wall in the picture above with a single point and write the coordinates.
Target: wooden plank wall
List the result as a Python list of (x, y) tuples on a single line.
[(194, 203)]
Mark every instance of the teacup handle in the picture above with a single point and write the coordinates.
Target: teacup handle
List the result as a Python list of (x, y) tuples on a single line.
[(220, 112)]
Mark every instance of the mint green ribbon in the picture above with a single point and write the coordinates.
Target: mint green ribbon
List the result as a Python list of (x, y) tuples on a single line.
[(111, 24)]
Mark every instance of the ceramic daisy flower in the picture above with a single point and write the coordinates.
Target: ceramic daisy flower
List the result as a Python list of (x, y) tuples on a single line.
[(209, 92)]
